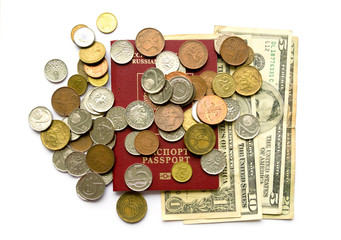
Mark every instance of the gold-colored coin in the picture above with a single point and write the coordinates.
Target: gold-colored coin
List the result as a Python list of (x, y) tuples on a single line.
[(224, 85), (200, 139), (248, 80), (250, 58), (57, 136), (99, 82), (74, 29), (78, 83), (188, 119), (92, 54), (106, 22), (182, 172), (131, 207)]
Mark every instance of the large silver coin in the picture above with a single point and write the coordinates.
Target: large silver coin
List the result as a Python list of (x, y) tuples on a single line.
[(59, 158), (75, 164), (101, 99), (182, 90), (129, 143), (163, 96), (167, 62), (122, 51), (90, 186), (74, 136), (139, 115), (173, 136), (80, 121), (102, 131), (213, 162), (84, 37), (247, 126), (118, 117), (55, 70), (233, 110), (138, 177), (40, 118), (153, 80)]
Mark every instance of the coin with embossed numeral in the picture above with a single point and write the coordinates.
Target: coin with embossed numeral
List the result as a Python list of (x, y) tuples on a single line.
[(138, 177), (102, 131), (40, 118), (90, 186), (80, 121), (247, 126)]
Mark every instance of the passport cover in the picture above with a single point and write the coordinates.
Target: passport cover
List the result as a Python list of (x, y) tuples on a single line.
[(126, 86)]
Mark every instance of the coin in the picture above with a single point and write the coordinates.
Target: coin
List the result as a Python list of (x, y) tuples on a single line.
[(169, 76), (208, 77), (188, 119), (74, 29), (98, 70), (169, 117), (64, 100), (153, 80), (182, 172), (199, 86), (167, 62), (200, 139), (213, 162), (118, 117), (55, 70), (163, 96), (90, 186), (250, 58), (75, 164), (56, 136), (247, 126), (99, 82), (131, 207), (234, 51), (74, 136), (224, 85), (122, 51), (100, 158), (106, 22), (59, 157), (78, 83), (107, 177), (82, 144), (172, 136), (219, 40), (182, 90), (80, 69), (149, 42), (194, 112), (112, 143), (139, 115), (102, 131), (80, 121), (248, 80), (233, 110), (138, 177), (146, 142), (211, 109), (84, 37), (101, 99), (193, 54), (92, 54), (129, 143), (40, 118)]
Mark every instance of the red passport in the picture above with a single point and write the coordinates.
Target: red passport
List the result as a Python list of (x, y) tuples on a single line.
[(126, 86)]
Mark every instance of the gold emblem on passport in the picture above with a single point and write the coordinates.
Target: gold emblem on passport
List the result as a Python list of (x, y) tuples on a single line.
[(165, 175)]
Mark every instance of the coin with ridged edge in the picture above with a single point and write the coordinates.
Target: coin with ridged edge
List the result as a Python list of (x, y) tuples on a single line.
[(139, 115), (131, 207), (182, 172), (90, 186)]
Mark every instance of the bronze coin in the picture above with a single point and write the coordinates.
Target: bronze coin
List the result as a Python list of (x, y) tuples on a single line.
[(146, 142), (98, 70), (211, 109), (169, 117), (199, 86), (100, 158), (193, 54), (149, 42), (82, 144), (208, 77), (234, 51), (169, 76), (65, 100)]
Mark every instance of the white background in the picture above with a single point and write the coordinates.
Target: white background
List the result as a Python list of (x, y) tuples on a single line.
[(39, 202)]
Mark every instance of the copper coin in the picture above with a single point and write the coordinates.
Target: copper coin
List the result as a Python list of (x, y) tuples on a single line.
[(98, 70), (211, 109), (234, 51), (149, 42), (82, 144), (146, 142), (169, 117), (193, 54), (65, 100), (208, 77), (199, 86), (100, 158), (169, 76)]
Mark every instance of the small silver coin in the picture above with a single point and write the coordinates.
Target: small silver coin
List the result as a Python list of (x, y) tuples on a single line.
[(172, 136), (213, 162), (90, 186), (112, 143), (194, 112), (84, 37), (129, 143), (102, 131), (153, 80), (55, 70), (163, 96), (138, 177), (107, 177), (122, 51), (247, 126), (75, 164), (40, 118), (182, 90), (233, 110), (80, 121), (167, 62), (101, 99), (59, 158), (74, 136), (139, 115), (118, 117)]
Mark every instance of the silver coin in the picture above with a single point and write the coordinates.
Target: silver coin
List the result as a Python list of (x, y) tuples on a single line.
[(163, 96), (129, 143), (84, 37), (194, 112), (182, 90), (59, 158), (118, 117), (80, 121), (102, 131), (107, 177), (111, 145), (40, 118), (138, 177), (247, 126), (122, 51), (74, 136), (55, 70), (90, 186), (182, 68), (101, 99), (173, 136), (153, 80), (85, 103), (167, 62), (190, 100), (139, 115), (233, 110), (213, 162), (75, 164)]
